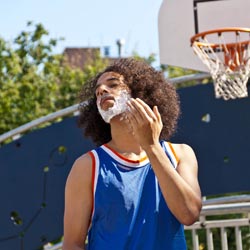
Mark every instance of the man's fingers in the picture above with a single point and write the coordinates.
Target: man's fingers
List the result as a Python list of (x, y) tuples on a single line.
[(143, 109), (133, 113), (157, 114)]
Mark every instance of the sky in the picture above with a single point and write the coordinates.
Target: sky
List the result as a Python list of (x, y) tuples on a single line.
[(93, 23)]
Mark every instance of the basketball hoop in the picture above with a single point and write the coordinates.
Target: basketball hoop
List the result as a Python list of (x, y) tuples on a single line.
[(226, 53)]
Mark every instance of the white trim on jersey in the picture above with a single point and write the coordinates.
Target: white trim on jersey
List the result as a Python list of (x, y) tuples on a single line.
[(171, 154), (128, 163), (96, 166)]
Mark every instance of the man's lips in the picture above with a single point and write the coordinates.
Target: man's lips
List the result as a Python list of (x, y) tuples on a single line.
[(106, 98)]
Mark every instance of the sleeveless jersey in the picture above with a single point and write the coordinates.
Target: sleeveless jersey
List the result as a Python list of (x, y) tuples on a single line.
[(129, 210)]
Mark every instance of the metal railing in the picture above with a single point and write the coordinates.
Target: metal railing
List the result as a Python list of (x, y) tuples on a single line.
[(30, 125), (16, 133), (239, 204)]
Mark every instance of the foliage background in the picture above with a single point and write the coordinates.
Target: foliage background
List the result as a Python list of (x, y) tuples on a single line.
[(34, 81)]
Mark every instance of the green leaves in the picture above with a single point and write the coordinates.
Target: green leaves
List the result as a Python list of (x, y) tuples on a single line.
[(34, 81)]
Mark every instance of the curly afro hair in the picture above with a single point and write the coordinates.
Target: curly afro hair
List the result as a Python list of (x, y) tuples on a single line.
[(145, 83)]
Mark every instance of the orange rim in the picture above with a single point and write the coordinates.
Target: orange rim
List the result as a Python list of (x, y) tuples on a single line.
[(215, 45), (195, 38)]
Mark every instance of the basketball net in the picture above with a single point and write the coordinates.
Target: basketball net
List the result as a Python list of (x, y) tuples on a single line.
[(228, 62)]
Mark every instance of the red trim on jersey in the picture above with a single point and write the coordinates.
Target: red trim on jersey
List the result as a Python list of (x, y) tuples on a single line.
[(125, 159), (93, 182)]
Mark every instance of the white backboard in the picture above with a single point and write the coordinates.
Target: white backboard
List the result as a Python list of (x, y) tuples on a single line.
[(179, 20)]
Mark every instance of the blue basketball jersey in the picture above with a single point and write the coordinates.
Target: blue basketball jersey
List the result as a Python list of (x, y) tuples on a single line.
[(129, 210)]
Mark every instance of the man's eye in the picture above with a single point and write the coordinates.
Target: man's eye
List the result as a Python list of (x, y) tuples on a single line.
[(113, 85)]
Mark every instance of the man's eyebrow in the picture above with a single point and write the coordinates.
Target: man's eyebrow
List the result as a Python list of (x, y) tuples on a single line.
[(112, 78)]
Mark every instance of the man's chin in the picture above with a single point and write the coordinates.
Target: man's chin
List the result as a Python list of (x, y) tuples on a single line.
[(106, 105), (107, 116), (106, 108)]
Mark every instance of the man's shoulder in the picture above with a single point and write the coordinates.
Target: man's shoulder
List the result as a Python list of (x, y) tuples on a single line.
[(184, 151), (87, 157), (80, 175), (180, 148), (82, 164)]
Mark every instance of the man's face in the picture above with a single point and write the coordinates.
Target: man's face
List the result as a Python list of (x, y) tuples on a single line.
[(108, 87), (112, 95)]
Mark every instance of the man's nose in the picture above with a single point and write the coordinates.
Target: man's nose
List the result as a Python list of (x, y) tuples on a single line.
[(102, 90)]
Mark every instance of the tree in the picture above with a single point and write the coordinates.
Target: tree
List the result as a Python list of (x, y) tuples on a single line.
[(35, 82)]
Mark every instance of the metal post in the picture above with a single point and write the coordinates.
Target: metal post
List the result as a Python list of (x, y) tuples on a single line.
[(195, 239), (223, 234), (210, 243), (238, 238)]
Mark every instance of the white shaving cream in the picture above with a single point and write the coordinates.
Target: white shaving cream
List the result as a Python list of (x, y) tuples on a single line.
[(118, 108)]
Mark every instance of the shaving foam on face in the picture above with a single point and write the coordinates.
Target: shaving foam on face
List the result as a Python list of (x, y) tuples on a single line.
[(119, 107)]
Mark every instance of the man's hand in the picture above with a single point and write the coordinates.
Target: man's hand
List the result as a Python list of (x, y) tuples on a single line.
[(145, 123)]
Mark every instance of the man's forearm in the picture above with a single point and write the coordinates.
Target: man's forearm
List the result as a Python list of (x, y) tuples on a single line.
[(179, 196)]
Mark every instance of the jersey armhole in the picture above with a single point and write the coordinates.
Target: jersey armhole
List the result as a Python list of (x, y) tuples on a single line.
[(173, 151), (95, 167)]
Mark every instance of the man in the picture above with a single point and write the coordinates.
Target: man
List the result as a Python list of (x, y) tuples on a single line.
[(136, 190)]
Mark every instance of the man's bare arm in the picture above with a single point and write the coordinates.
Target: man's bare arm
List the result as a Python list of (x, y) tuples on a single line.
[(78, 204), (180, 188)]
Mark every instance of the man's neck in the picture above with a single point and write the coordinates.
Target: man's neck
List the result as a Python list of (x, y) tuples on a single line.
[(123, 140)]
